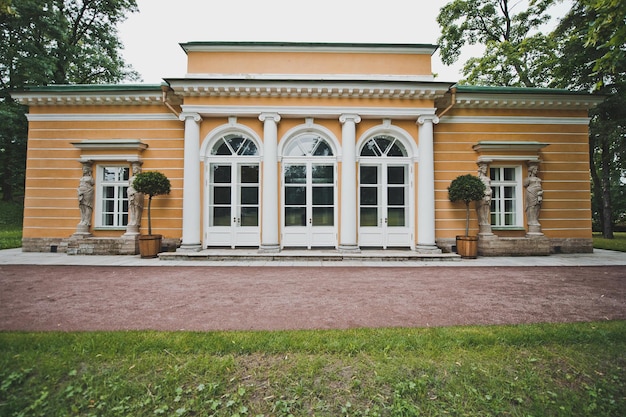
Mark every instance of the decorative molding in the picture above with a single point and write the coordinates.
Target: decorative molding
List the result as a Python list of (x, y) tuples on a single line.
[(349, 117), (99, 117), (311, 77), (187, 114), (109, 145), (269, 116), (508, 158), (522, 120), (88, 98), (508, 146), (407, 113), (103, 157), (427, 117)]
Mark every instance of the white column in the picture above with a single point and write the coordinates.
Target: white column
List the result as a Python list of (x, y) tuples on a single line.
[(426, 185), (191, 183), (269, 202), (348, 203)]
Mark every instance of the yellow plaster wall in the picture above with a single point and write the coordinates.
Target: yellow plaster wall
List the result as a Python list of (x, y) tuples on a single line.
[(564, 169), (53, 169), (308, 63)]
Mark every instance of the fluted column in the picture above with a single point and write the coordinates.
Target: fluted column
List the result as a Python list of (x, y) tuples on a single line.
[(426, 185), (348, 204), (269, 203), (191, 183)]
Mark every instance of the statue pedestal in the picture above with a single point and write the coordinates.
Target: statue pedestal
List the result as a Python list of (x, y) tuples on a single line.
[(534, 230), (82, 230)]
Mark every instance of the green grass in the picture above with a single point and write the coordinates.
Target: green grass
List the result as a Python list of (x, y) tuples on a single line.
[(527, 370), (10, 225), (618, 243)]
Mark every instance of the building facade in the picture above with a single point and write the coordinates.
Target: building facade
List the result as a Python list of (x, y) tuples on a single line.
[(307, 145)]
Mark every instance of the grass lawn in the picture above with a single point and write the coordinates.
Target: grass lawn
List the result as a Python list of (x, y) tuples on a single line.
[(527, 370), (618, 243), (10, 225)]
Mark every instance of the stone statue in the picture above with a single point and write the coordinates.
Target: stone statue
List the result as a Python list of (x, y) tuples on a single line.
[(534, 198), (483, 207), (85, 198), (135, 201)]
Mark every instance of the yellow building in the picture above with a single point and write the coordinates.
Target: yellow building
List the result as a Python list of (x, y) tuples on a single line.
[(309, 145)]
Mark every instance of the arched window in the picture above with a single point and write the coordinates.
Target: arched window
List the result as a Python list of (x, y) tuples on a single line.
[(383, 145), (308, 145), (234, 144)]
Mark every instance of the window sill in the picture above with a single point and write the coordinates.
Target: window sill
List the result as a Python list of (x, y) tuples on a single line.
[(109, 228), (508, 228)]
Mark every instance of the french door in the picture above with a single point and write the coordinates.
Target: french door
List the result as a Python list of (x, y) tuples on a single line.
[(309, 212), (384, 211), (233, 204)]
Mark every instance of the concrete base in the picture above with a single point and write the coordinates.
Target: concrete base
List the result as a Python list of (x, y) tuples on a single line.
[(514, 246)]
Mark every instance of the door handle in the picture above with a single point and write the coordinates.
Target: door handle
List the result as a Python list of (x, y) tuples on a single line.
[(385, 220), (310, 221)]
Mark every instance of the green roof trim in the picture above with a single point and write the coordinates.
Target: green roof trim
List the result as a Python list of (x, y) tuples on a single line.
[(309, 44), (476, 89), (91, 88)]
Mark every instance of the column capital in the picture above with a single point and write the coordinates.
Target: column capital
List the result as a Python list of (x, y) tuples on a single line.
[(427, 118), (269, 116), (185, 115), (349, 117)]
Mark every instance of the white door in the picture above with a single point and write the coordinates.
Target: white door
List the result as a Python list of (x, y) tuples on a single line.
[(233, 204), (383, 206), (309, 196)]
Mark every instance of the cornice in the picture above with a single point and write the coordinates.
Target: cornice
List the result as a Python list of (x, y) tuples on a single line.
[(308, 89), (89, 96)]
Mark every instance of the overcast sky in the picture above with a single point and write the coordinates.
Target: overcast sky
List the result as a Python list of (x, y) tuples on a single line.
[(151, 37)]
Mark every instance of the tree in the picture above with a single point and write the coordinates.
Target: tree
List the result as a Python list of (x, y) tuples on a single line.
[(466, 188), (516, 52), (46, 42), (152, 183), (591, 61)]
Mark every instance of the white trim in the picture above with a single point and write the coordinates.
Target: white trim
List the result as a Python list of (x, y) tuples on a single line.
[(386, 128), (113, 144), (407, 113), (102, 157), (310, 127), (91, 117), (523, 120), (508, 158)]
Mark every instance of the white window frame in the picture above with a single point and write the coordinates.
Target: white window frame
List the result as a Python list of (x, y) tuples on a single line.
[(518, 207), (120, 212)]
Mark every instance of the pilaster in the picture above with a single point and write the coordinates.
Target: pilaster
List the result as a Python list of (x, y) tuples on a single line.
[(269, 204), (348, 230), (426, 185), (191, 183)]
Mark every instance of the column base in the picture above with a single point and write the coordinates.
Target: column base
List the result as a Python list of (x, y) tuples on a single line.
[(427, 249), (269, 248), (349, 248), (195, 247)]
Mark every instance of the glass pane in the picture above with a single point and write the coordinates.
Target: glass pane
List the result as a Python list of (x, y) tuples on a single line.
[(248, 148), (109, 192), (221, 148), (108, 220), (323, 174), (494, 174), (323, 216), (295, 216), (383, 143), (221, 216), (509, 219), (370, 149), (109, 206), (369, 174), (249, 216), (369, 196), (509, 174), (396, 150), (235, 142), (221, 173), (395, 175), (295, 196), (395, 196), (323, 196), (221, 195), (295, 174), (509, 192), (369, 216), (108, 174), (323, 149), (508, 205), (250, 195), (395, 217), (250, 174)]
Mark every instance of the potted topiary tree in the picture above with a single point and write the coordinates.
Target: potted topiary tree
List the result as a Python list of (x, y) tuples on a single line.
[(466, 188), (150, 183)]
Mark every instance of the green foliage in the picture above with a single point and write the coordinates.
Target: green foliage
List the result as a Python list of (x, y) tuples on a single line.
[(544, 369), (618, 243), (11, 215), (46, 42), (516, 52), (466, 188), (152, 183)]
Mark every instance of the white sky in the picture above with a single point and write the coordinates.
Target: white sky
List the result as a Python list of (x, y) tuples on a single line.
[(151, 37)]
